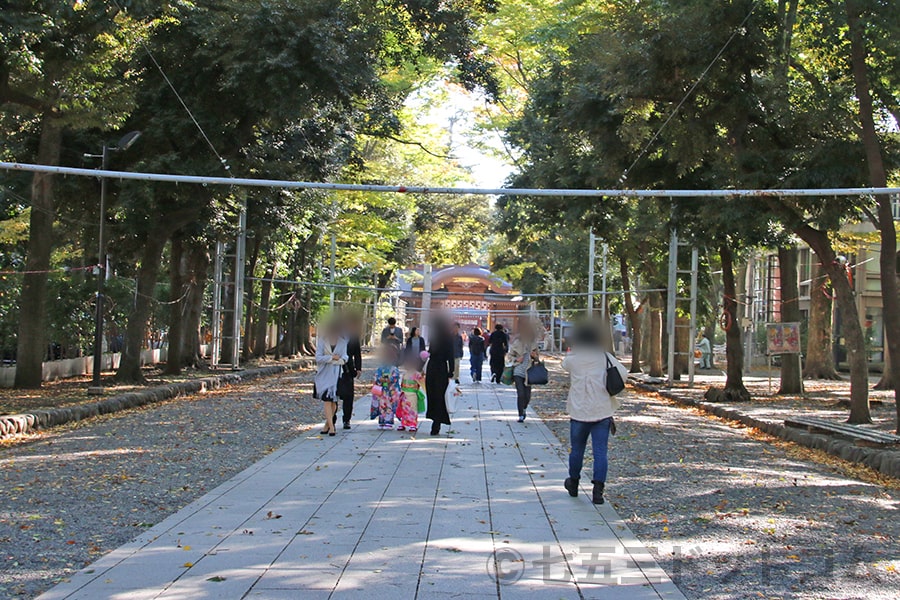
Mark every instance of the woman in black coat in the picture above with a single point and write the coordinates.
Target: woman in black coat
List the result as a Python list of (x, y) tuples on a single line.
[(499, 343), (438, 375)]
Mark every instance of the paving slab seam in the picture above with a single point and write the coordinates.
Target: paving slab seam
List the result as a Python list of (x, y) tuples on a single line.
[(362, 534), (251, 514), (541, 499), (613, 526), (193, 508), (360, 457), (434, 503), (487, 487)]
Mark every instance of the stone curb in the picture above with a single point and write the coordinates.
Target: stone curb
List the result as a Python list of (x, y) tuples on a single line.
[(881, 460), (42, 419)]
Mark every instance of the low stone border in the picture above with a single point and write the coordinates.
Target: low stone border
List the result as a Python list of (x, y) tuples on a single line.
[(882, 460), (41, 419)]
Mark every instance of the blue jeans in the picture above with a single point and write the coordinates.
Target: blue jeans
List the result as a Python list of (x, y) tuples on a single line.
[(599, 434), (477, 362)]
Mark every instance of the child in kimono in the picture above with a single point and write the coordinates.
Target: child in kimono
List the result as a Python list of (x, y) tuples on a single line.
[(386, 392), (410, 388)]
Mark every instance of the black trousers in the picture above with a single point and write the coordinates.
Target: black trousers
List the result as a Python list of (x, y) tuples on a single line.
[(347, 399), (498, 363), (523, 394)]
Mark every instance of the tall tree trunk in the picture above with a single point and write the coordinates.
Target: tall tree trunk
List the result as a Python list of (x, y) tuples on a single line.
[(683, 347), (151, 257), (304, 325), (819, 341), (198, 273), (32, 337), (890, 290), (850, 325), (633, 313), (260, 345), (227, 344), (250, 298), (656, 330), (788, 257), (734, 348), (177, 308)]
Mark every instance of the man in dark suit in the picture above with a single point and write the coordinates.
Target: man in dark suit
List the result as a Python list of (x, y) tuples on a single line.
[(393, 335), (352, 370)]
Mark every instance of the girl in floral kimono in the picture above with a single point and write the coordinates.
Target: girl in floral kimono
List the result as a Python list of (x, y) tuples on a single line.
[(386, 392), (410, 388)]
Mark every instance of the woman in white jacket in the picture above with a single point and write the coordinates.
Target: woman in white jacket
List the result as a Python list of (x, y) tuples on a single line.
[(331, 354), (590, 407)]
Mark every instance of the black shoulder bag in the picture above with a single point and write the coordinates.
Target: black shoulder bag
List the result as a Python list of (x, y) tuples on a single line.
[(614, 382)]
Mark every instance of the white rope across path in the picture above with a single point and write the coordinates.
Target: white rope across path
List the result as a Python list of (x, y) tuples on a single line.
[(412, 189)]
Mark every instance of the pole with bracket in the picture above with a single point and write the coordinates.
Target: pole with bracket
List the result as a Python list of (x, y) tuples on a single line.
[(671, 303), (239, 259), (592, 260)]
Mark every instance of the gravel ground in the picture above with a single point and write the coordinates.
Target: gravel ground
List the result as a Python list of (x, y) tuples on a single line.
[(71, 495), (732, 513), (74, 390)]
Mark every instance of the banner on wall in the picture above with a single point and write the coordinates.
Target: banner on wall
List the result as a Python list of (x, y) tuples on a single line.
[(783, 338)]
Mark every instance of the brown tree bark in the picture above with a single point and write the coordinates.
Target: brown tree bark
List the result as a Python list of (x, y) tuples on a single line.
[(851, 328), (734, 348), (227, 345), (189, 265), (32, 333), (304, 325), (788, 257), (633, 313), (260, 345), (250, 298), (198, 274), (176, 309), (890, 289), (819, 341), (151, 257), (683, 347), (656, 330)]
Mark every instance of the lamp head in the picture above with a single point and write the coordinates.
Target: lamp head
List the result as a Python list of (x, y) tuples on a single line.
[(128, 140)]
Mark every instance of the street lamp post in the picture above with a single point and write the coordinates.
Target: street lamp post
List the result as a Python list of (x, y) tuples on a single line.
[(127, 140)]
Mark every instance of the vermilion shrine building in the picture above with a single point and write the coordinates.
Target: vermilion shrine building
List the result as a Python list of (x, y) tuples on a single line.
[(471, 294)]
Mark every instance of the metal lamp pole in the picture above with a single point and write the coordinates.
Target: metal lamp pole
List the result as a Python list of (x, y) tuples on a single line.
[(127, 140)]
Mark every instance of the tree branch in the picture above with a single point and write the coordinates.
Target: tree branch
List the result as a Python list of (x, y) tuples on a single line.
[(419, 144)]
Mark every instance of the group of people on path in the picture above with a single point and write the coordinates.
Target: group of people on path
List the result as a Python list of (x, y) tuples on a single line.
[(405, 367)]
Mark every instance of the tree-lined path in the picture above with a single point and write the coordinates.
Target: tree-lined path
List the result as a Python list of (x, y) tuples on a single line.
[(375, 512)]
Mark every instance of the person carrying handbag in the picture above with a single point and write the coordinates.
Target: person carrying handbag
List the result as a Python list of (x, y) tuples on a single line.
[(522, 354), (595, 378)]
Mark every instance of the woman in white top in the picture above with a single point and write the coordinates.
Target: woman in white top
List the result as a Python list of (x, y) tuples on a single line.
[(590, 407), (331, 354), (522, 354)]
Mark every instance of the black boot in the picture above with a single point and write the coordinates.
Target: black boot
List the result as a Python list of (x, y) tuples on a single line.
[(572, 486), (598, 492)]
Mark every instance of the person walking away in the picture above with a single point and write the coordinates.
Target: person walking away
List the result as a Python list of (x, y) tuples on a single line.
[(705, 348), (351, 371), (458, 351), (438, 374), (415, 346), (590, 408), (386, 389), (331, 354), (477, 352), (499, 345), (522, 354), (410, 386), (392, 334)]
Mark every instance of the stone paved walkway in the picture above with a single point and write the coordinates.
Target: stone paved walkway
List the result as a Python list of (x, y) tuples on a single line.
[(476, 513)]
